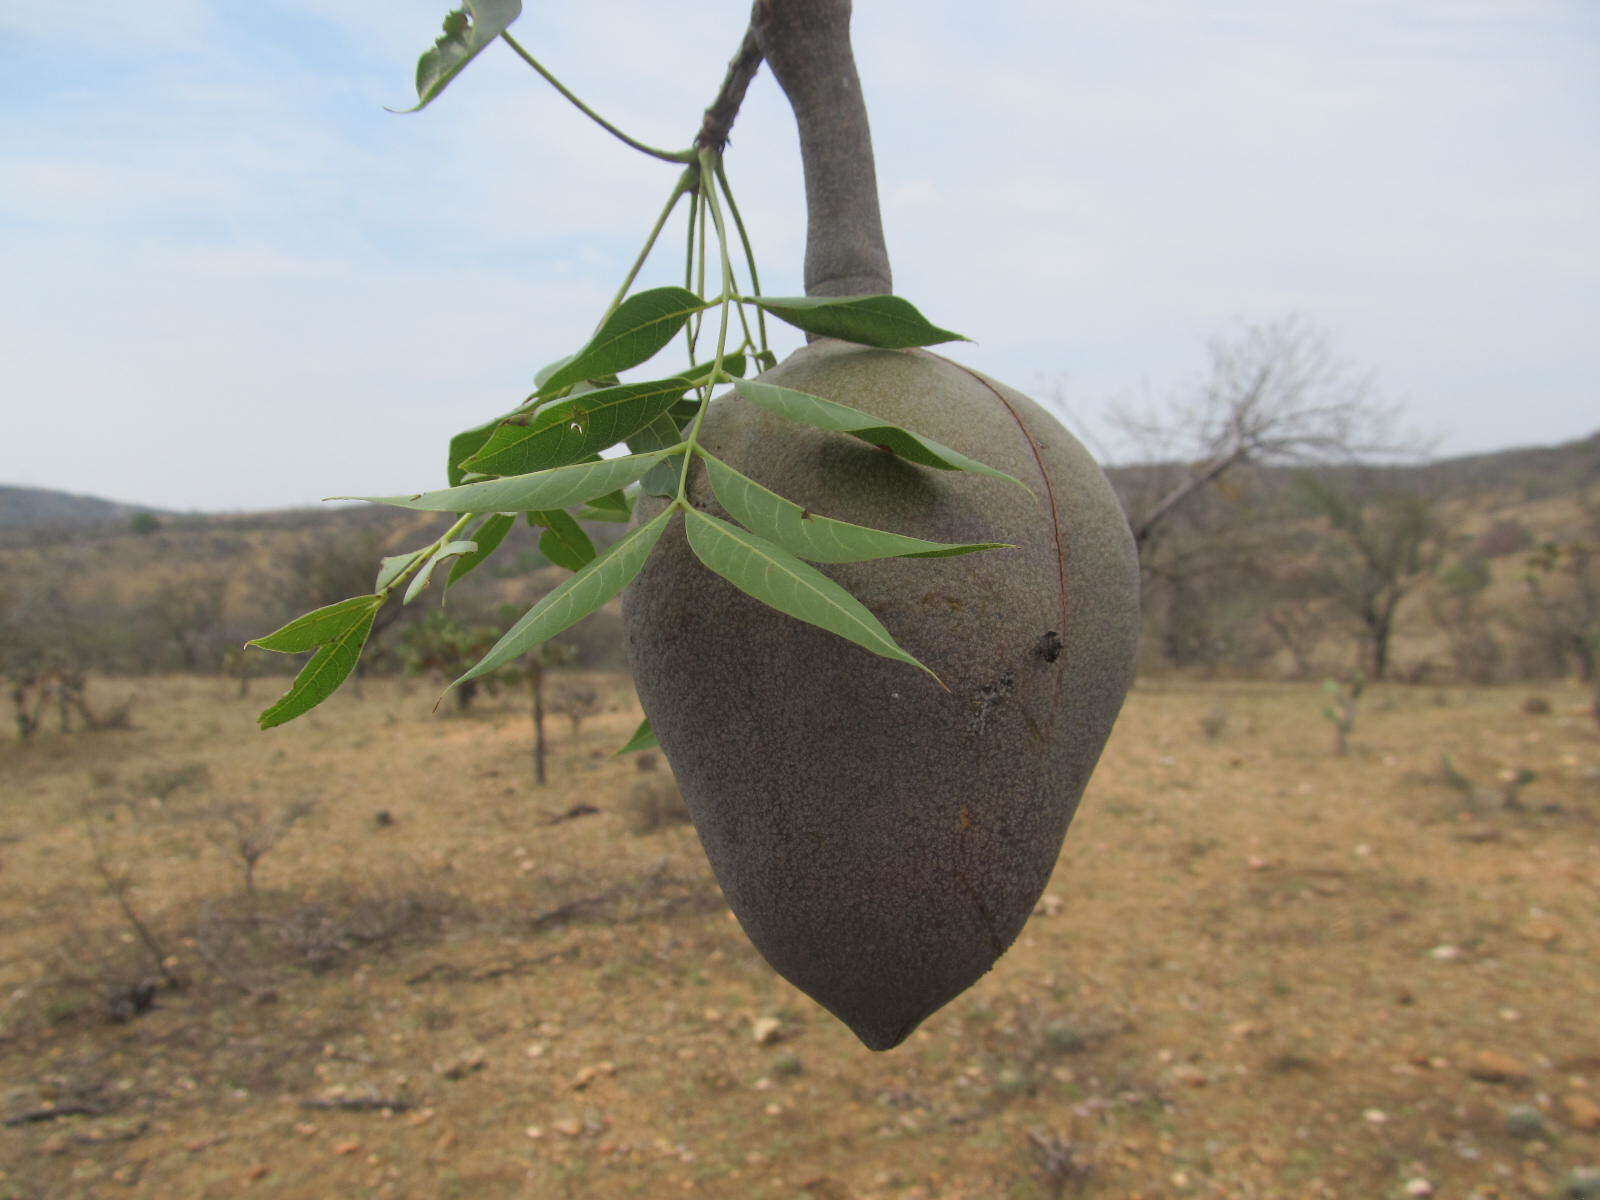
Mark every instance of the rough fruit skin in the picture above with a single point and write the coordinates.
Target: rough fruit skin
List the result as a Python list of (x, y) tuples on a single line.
[(883, 841)]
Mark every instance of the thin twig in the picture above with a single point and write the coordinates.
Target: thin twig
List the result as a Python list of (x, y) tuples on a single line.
[(677, 156)]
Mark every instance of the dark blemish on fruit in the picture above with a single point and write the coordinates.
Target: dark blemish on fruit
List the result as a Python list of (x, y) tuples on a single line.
[(989, 695), (1050, 646)]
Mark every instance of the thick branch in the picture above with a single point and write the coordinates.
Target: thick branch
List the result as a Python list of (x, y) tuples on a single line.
[(742, 68), (807, 45)]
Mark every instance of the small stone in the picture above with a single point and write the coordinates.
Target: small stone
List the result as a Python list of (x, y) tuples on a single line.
[(1419, 1187), (1545, 932), (567, 1126), (465, 1064), (1582, 1112), (766, 1030), (305, 1129), (1375, 1116), (534, 1131), (347, 1148), (1049, 905), (1491, 1066), (536, 1049), (1445, 953), (1189, 1075), (257, 1172)]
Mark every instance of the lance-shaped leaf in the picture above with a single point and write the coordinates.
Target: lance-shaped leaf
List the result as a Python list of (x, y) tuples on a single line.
[(613, 506), (315, 628), (661, 434), (463, 446), (563, 542), (466, 32), (389, 568), (574, 428), (806, 409), (556, 488), (340, 648), (643, 738), (662, 479), (820, 539), (419, 581), (575, 598), (642, 324), (888, 322), (488, 537), (780, 580)]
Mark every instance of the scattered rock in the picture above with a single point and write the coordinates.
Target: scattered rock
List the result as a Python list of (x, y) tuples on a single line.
[(569, 1127), (347, 1148), (589, 1074), (1445, 953), (1536, 706), (1375, 1116), (1582, 1112), (1525, 1122), (1049, 905), (257, 1172), (1189, 1075), (766, 1030), (1491, 1066), (1545, 932), (1419, 1187), (464, 1065)]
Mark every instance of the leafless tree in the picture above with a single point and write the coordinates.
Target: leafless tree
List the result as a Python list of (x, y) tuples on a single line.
[(1275, 394)]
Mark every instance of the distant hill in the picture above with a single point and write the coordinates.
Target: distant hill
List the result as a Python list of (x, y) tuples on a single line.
[(30, 507)]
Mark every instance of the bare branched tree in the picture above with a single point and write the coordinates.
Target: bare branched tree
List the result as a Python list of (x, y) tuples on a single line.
[(1275, 394)]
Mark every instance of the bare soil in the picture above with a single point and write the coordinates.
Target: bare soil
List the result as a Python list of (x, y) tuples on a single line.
[(1261, 970)]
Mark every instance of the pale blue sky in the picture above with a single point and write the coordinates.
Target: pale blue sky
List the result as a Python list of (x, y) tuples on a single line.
[(232, 280)]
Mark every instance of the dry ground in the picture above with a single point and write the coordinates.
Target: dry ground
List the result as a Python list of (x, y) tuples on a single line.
[(1260, 970)]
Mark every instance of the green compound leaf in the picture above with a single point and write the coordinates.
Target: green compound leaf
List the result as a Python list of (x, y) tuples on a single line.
[(573, 429), (887, 322), (661, 434), (419, 581), (466, 32), (556, 488), (315, 628), (778, 579), (488, 536), (643, 738), (820, 539), (329, 666), (642, 324), (806, 409), (563, 542), (575, 598)]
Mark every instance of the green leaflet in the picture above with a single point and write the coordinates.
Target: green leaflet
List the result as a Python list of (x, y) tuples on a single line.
[(460, 44), (339, 638), (661, 434), (642, 324), (389, 568), (575, 428), (575, 598), (315, 628), (488, 536), (806, 409), (556, 488), (780, 580), (888, 322), (463, 446), (563, 542), (820, 539), (419, 581), (643, 738)]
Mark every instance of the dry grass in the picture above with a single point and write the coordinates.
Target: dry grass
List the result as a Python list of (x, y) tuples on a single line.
[(1260, 971)]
